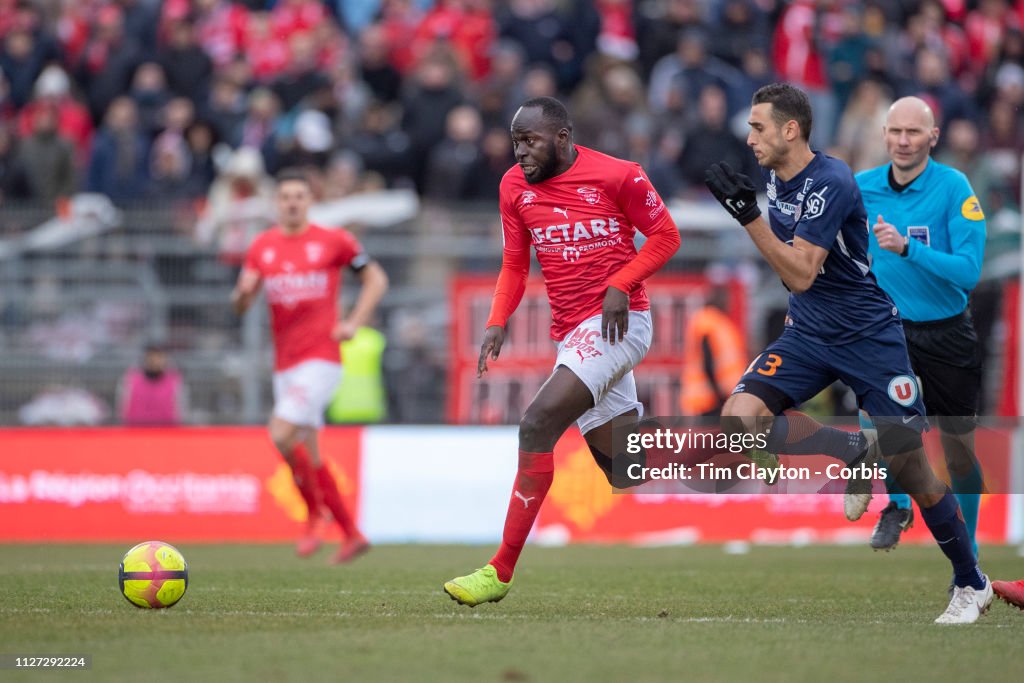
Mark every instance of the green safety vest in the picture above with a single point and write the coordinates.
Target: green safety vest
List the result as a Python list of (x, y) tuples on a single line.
[(360, 395)]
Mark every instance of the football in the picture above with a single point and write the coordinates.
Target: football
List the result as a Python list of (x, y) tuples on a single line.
[(153, 575)]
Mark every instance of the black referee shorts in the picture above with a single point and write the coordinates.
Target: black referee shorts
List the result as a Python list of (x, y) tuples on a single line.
[(946, 356)]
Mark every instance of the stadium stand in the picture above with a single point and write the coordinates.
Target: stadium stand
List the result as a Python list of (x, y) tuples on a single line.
[(150, 100)]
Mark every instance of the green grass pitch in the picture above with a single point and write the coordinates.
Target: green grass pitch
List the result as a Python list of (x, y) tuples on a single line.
[(575, 614)]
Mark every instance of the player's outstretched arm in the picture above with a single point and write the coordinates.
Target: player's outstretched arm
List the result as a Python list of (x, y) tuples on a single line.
[(508, 292), (373, 285), (511, 285), (515, 268), (798, 264), (245, 291)]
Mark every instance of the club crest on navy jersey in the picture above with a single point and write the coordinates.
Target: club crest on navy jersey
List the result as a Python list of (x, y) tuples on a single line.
[(815, 204)]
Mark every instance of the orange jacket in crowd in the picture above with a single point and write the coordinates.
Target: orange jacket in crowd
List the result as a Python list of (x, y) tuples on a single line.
[(714, 358)]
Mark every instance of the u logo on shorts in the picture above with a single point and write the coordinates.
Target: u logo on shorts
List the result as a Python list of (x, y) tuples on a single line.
[(903, 390)]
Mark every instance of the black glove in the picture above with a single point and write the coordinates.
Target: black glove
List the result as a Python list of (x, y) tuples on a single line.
[(734, 191)]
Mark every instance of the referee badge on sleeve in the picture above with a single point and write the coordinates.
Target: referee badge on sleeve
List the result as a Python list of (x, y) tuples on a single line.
[(971, 209)]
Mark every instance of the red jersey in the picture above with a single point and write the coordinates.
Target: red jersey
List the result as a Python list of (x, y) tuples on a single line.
[(795, 52), (581, 224), (289, 18), (302, 277)]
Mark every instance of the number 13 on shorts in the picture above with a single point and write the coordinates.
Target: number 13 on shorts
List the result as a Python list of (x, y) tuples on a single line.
[(768, 367)]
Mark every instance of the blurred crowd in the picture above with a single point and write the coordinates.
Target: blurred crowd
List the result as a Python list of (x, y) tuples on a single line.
[(196, 103), (152, 99)]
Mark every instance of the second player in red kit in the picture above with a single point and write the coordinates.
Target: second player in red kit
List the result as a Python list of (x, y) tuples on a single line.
[(299, 265), (580, 210)]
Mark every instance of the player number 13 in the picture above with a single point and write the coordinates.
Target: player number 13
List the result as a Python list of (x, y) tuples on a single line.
[(768, 367)]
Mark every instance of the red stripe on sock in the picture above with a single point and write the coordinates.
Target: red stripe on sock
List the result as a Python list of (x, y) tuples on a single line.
[(536, 472)]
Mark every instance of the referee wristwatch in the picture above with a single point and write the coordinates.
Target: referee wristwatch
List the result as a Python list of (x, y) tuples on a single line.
[(906, 246)]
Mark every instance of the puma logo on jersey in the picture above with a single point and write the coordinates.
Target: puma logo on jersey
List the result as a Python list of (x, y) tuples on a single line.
[(639, 178), (526, 501), (564, 212)]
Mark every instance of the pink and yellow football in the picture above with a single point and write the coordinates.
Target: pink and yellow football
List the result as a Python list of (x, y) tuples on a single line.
[(153, 575)]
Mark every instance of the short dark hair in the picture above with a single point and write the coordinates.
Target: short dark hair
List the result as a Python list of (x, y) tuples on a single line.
[(288, 174), (788, 103), (553, 111)]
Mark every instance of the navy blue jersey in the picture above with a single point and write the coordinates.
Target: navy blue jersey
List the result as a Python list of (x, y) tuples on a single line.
[(822, 204)]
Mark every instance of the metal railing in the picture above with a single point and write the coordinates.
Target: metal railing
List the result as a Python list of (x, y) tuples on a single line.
[(76, 308)]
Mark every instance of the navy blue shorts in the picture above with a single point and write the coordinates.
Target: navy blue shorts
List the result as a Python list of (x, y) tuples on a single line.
[(794, 369)]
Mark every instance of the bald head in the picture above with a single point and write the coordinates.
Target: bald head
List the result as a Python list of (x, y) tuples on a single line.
[(912, 108), (910, 135)]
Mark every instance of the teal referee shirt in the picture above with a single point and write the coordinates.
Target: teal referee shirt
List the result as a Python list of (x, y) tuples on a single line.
[(946, 225)]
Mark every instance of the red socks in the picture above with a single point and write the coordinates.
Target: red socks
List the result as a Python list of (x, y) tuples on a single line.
[(317, 487), (333, 502), (536, 472), (302, 472)]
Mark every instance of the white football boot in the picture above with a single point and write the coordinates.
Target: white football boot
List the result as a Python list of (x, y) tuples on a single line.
[(967, 605)]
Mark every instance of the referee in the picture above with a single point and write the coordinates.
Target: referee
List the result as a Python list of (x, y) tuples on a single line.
[(926, 244)]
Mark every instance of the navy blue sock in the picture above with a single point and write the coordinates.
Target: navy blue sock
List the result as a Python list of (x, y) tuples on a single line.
[(967, 490), (946, 523), (794, 433)]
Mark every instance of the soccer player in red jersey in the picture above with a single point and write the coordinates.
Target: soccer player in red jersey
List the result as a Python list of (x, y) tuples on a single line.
[(580, 209), (299, 265)]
